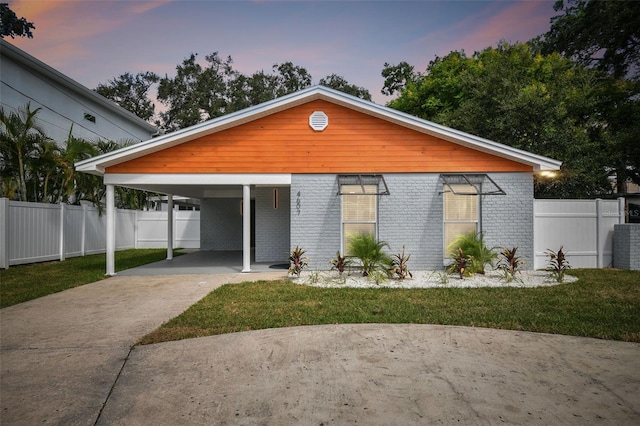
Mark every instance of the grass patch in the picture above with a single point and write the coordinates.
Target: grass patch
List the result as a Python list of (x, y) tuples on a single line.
[(602, 304), (26, 282)]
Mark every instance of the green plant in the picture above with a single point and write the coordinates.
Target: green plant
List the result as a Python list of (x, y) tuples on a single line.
[(558, 264), (368, 250), (461, 264), (378, 276), (510, 264), (399, 267), (443, 277), (314, 277), (472, 243), (297, 261), (340, 263)]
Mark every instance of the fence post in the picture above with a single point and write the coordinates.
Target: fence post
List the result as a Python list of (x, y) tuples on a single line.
[(135, 228), (62, 246), (622, 216), (170, 227), (83, 241), (4, 233), (599, 249)]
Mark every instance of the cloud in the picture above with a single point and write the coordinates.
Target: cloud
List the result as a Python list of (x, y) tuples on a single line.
[(509, 21), (518, 22), (69, 26)]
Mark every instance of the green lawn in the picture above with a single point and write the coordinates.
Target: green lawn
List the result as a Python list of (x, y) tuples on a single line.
[(602, 303), (25, 282)]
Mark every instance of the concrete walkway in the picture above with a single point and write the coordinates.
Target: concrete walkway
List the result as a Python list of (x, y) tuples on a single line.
[(67, 359)]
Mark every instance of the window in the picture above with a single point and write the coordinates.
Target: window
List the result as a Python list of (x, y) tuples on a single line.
[(461, 211), (462, 198), (359, 211)]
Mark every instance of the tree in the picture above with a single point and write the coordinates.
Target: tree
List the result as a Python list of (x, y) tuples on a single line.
[(77, 187), (291, 78), (203, 91), (131, 92), (605, 35), (545, 104), (596, 33), (337, 82), (195, 94), (12, 26), (46, 166), (19, 139), (396, 77)]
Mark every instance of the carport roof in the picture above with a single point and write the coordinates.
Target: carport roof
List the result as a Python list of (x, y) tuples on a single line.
[(98, 164)]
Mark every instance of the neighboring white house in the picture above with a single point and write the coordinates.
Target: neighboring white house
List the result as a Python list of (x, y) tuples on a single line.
[(64, 102)]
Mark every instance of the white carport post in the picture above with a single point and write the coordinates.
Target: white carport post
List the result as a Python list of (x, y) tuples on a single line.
[(246, 228), (111, 230), (170, 227)]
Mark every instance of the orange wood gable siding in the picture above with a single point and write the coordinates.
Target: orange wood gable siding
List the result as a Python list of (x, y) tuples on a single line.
[(284, 143)]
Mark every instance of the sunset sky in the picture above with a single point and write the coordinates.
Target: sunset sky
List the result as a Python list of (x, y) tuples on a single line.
[(93, 41)]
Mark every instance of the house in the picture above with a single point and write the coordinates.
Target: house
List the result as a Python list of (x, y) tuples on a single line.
[(64, 102), (312, 167)]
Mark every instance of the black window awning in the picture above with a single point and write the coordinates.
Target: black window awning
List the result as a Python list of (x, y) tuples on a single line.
[(481, 183), (362, 181)]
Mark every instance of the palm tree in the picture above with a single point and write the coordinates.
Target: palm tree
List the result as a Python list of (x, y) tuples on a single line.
[(77, 186), (19, 137), (47, 165)]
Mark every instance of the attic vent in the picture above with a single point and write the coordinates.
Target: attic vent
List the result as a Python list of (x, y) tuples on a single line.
[(89, 117), (318, 121)]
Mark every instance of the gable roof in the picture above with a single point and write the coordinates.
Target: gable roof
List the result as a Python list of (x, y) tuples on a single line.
[(97, 165), (24, 59)]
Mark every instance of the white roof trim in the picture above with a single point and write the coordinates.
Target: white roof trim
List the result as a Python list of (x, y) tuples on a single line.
[(98, 164)]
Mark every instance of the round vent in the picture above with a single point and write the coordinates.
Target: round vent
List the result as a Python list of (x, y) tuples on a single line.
[(318, 121)]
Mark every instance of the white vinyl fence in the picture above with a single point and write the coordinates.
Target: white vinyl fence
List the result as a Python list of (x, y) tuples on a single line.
[(37, 232), (584, 228)]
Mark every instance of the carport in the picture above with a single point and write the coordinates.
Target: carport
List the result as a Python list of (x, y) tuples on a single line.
[(199, 186)]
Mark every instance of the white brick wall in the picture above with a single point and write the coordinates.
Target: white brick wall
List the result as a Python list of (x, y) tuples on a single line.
[(411, 216), (315, 217), (272, 225), (507, 220)]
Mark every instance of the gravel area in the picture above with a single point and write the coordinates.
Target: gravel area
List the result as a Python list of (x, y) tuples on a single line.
[(430, 279)]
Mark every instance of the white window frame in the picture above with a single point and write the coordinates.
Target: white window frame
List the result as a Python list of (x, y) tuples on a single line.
[(456, 192), (370, 191)]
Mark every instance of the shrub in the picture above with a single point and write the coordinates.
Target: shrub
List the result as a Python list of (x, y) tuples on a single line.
[(368, 250), (558, 264), (510, 264), (472, 244), (399, 267), (297, 261), (461, 264), (340, 263)]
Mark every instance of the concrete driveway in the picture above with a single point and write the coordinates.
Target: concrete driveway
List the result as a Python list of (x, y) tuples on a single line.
[(67, 359)]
